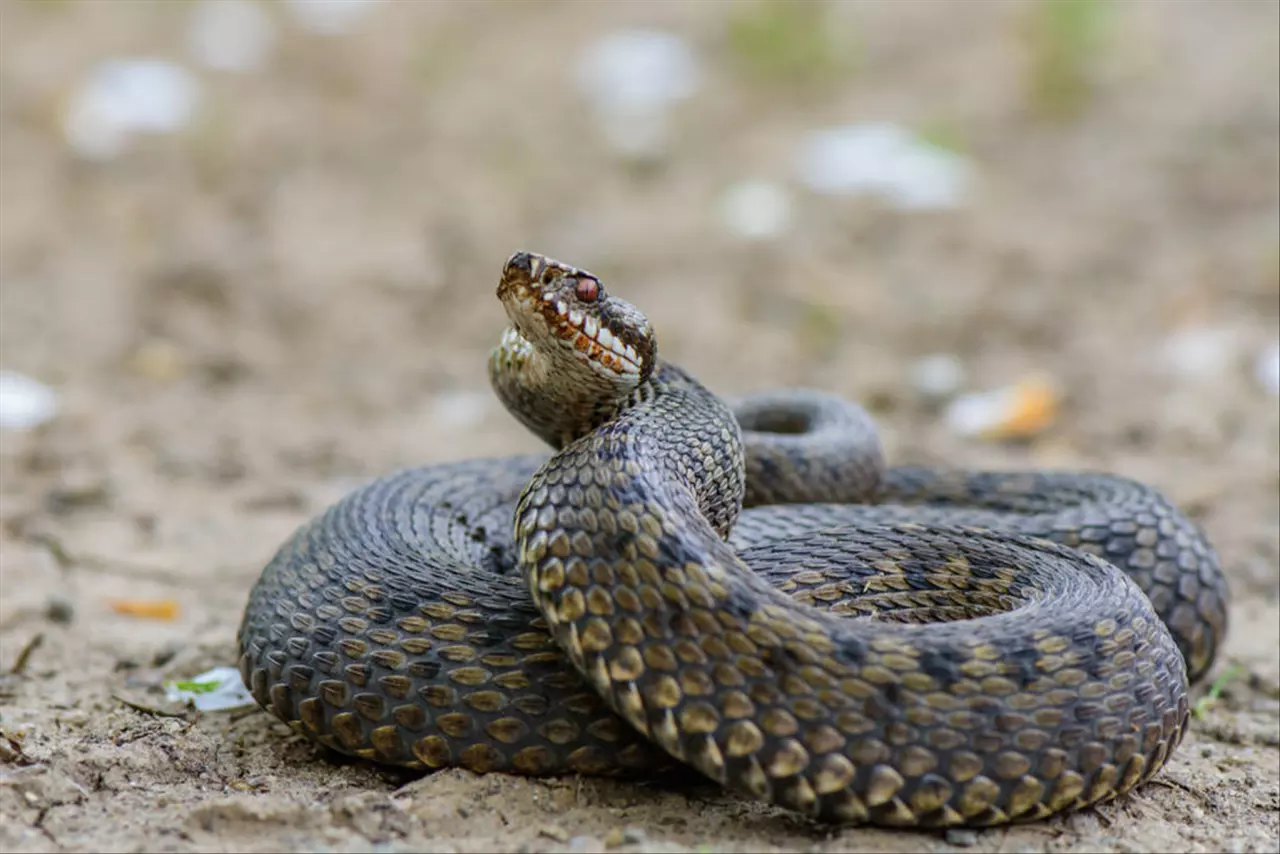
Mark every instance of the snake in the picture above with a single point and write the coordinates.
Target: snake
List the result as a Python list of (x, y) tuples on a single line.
[(740, 586)]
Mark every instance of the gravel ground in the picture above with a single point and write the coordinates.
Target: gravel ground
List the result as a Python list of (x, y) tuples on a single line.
[(293, 293)]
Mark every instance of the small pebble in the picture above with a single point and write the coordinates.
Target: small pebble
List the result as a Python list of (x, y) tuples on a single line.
[(962, 837), (329, 17), (1200, 352), (58, 609), (637, 68), (230, 35), (586, 844), (938, 375), (24, 402), (755, 210), (885, 160), (630, 79), (124, 97), (619, 836)]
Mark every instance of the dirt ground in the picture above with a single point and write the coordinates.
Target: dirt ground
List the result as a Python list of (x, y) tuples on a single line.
[(294, 294)]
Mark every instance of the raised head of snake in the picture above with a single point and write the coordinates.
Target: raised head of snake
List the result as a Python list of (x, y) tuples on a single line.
[(577, 358), (574, 351)]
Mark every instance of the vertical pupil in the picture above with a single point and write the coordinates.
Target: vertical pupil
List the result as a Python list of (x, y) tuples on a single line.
[(588, 290)]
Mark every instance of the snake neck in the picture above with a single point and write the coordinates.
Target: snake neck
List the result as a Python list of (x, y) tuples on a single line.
[(670, 440), (556, 405), (558, 401)]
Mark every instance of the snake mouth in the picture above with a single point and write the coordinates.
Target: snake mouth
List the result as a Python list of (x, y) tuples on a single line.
[(590, 336), (547, 299)]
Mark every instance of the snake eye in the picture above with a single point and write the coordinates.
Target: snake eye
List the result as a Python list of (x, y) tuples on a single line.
[(587, 290)]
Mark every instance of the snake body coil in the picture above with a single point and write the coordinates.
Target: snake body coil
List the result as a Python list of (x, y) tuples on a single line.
[(899, 646)]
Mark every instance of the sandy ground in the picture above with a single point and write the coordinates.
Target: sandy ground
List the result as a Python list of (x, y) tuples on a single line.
[(295, 294)]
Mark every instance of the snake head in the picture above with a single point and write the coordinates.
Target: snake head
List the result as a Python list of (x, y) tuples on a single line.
[(561, 310)]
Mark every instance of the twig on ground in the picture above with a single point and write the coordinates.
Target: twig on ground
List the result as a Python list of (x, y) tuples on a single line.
[(150, 710), (20, 663)]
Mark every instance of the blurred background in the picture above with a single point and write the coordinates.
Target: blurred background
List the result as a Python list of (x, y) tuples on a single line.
[(248, 253), (252, 240)]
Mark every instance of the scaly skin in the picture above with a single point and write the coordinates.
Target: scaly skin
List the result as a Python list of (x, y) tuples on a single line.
[(993, 676)]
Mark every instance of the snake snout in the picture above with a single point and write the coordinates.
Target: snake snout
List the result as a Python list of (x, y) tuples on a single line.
[(522, 266)]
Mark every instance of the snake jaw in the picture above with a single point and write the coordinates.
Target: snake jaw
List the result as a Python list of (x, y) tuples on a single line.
[(549, 300), (586, 334)]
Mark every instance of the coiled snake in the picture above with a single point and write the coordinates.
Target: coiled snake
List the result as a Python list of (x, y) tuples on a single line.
[(900, 646)]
